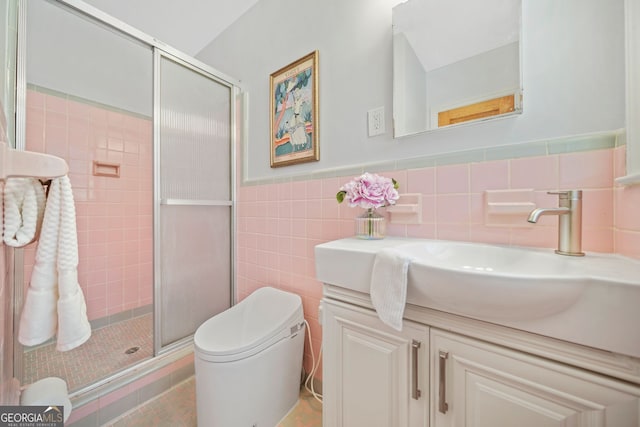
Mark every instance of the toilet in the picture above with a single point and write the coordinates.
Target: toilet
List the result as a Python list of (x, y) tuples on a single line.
[(248, 361)]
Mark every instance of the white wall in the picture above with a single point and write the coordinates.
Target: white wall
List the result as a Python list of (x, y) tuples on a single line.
[(573, 77), (72, 55)]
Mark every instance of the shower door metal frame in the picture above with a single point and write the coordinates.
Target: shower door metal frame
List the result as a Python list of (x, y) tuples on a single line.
[(16, 276), (238, 96), (158, 55)]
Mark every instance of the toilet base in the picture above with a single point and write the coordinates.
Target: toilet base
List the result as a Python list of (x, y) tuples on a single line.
[(256, 391)]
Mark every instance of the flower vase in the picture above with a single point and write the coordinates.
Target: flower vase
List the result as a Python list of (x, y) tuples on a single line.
[(370, 225)]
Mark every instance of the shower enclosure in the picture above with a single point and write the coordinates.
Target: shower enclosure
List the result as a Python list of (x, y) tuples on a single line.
[(148, 136)]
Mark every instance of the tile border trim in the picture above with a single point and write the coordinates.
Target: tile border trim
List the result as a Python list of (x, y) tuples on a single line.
[(546, 147)]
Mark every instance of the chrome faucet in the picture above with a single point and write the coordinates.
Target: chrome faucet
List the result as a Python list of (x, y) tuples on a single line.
[(569, 221)]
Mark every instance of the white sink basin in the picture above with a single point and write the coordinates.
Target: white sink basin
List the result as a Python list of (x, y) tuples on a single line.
[(592, 300), (491, 282)]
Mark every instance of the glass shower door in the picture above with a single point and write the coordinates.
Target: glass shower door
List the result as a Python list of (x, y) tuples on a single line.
[(87, 97), (193, 199)]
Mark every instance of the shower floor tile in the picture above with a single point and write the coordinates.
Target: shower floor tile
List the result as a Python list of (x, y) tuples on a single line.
[(177, 408), (102, 355)]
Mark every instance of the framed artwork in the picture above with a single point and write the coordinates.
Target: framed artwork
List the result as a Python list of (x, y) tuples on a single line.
[(294, 112)]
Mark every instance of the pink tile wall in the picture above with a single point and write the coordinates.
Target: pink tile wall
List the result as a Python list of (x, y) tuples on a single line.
[(279, 224), (114, 215)]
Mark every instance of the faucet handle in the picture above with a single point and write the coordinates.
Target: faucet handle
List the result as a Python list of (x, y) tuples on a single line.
[(568, 194)]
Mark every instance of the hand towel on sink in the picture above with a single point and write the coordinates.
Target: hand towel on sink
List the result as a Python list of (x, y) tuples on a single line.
[(389, 286)]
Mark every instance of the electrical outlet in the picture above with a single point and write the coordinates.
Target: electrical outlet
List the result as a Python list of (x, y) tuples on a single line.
[(376, 121)]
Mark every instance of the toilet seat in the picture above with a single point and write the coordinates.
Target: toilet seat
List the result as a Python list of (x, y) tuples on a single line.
[(265, 317)]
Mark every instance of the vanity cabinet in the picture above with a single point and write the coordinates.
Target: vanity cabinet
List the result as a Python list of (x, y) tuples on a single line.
[(427, 375), (374, 375), (476, 384), (517, 337)]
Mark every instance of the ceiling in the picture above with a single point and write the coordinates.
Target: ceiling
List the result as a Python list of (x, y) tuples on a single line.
[(187, 25)]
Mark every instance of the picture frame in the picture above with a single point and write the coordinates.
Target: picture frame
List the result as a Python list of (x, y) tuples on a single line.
[(293, 116)]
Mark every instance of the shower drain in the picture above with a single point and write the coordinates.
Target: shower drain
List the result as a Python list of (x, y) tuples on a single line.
[(132, 350)]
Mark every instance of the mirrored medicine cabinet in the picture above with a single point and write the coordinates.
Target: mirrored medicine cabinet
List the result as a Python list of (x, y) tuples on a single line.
[(455, 62)]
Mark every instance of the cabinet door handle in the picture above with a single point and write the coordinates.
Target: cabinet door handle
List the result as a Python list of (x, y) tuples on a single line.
[(443, 406), (415, 391)]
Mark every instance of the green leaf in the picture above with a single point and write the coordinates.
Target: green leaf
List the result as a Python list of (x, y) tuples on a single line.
[(395, 184), (340, 196)]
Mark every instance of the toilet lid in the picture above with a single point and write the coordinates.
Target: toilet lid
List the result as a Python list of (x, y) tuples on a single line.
[(264, 317)]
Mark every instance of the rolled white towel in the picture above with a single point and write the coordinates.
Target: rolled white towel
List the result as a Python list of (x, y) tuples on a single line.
[(24, 202)]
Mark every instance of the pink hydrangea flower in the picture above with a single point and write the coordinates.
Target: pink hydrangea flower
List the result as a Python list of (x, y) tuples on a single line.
[(369, 191)]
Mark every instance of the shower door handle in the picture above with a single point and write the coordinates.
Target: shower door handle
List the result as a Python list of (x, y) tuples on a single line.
[(195, 202)]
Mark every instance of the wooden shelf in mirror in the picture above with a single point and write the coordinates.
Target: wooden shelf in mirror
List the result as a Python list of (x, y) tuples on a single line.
[(479, 110)]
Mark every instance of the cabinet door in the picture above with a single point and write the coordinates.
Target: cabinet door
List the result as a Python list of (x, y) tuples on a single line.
[(373, 375), (475, 384)]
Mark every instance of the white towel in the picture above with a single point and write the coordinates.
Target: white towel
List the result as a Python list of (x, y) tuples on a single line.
[(73, 324), (23, 211), (38, 321), (389, 286), (54, 301)]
